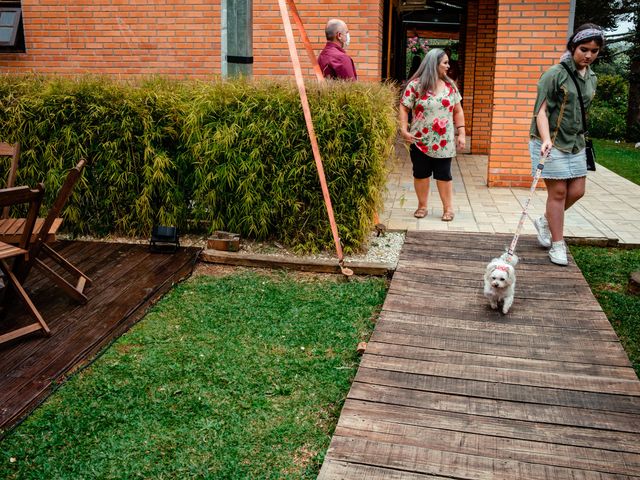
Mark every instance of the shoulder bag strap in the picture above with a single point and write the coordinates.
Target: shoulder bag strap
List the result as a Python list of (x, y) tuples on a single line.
[(575, 82)]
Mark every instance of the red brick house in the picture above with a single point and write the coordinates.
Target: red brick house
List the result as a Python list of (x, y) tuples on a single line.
[(504, 45)]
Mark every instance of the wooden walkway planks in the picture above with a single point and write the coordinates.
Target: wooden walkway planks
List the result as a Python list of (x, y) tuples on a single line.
[(449, 388), (126, 280)]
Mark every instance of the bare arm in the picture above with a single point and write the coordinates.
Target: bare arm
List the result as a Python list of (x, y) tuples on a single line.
[(403, 116), (542, 122), (458, 121)]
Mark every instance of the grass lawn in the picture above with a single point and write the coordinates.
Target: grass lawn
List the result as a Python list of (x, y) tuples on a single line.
[(607, 271), (622, 158), (230, 377)]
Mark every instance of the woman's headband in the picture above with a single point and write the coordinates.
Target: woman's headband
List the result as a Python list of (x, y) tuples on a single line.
[(581, 36), (587, 33)]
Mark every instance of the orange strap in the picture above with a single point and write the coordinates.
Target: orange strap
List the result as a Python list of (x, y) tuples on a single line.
[(305, 40), (307, 117)]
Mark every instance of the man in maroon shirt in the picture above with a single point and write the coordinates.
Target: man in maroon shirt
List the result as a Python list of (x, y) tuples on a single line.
[(333, 60)]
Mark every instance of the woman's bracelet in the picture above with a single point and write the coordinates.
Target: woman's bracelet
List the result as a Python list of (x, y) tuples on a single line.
[(461, 126)]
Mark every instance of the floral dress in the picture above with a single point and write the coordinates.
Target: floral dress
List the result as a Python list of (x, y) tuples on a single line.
[(432, 123)]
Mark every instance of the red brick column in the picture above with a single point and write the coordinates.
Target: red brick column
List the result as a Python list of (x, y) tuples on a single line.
[(483, 77), (470, 43), (530, 38), (479, 66), (364, 18)]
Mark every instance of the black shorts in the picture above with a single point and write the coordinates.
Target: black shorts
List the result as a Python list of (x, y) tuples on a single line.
[(424, 165)]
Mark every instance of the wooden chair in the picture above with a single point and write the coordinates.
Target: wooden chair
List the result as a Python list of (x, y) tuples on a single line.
[(11, 150), (44, 232), (19, 254), (10, 232)]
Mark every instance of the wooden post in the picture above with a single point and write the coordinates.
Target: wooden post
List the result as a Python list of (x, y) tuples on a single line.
[(307, 117)]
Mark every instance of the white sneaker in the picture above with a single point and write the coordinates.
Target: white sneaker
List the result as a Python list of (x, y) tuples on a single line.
[(544, 234), (558, 253)]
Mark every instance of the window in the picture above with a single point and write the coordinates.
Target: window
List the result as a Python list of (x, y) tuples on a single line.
[(9, 22), (11, 29)]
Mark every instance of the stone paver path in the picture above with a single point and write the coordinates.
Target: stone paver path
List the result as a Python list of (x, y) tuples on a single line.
[(610, 210)]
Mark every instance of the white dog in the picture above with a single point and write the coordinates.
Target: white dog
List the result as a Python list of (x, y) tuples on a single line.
[(500, 282)]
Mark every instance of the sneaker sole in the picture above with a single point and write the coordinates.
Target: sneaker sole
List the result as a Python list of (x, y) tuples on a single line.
[(541, 240), (559, 263), (542, 243)]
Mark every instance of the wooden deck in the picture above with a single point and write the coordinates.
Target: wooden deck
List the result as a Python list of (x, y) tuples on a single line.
[(126, 280), (449, 388)]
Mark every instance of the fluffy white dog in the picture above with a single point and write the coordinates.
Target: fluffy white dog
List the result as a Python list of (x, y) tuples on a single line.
[(500, 282)]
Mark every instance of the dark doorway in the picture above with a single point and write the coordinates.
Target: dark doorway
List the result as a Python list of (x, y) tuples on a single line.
[(412, 26)]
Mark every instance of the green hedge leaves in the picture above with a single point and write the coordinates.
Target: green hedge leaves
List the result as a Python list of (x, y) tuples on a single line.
[(607, 114), (204, 156)]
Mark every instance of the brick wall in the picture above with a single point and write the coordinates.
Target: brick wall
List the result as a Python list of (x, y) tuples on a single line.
[(470, 38), (479, 71), (364, 18), (530, 38), (180, 37), (122, 37), (509, 43)]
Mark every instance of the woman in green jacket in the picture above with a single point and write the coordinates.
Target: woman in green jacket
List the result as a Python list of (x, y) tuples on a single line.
[(557, 131)]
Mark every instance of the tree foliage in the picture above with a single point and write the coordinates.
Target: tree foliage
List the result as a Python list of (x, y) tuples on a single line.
[(604, 14), (607, 15)]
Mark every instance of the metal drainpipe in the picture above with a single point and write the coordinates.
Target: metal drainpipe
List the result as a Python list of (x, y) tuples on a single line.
[(237, 38), (572, 18)]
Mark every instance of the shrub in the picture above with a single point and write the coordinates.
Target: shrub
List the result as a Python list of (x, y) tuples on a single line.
[(607, 115), (605, 122), (204, 156), (613, 91)]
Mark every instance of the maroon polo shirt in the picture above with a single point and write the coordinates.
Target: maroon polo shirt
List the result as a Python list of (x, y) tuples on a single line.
[(335, 63)]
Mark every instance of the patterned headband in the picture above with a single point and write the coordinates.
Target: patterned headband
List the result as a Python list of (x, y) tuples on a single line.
[(579, 37), (587, 33)]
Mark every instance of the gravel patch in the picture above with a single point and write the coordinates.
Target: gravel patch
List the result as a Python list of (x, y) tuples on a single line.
[(382, 249), (378, 249)]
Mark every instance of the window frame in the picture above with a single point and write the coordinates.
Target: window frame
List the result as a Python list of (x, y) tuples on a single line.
[(15, 27)]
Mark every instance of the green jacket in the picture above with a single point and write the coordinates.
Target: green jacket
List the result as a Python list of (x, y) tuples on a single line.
[(563, 108)]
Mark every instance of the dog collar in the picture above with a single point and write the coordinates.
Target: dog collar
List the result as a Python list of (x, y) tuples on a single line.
[(504, 268)]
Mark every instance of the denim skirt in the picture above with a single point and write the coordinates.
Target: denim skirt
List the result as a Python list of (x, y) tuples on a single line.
[(558, 165)]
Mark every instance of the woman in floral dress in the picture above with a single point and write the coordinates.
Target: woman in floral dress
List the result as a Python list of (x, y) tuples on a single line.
[(434, 101)]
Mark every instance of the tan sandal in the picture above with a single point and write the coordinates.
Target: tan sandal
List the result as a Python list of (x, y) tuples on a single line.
[(448, 216), (420, 212)]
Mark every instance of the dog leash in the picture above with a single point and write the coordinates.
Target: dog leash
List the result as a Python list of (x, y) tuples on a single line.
[(525, 207)]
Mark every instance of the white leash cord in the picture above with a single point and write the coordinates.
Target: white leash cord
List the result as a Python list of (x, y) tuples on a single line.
[(514, 242)]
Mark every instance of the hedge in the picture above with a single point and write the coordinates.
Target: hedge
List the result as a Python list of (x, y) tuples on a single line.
[(607, 114), (204, 156)]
